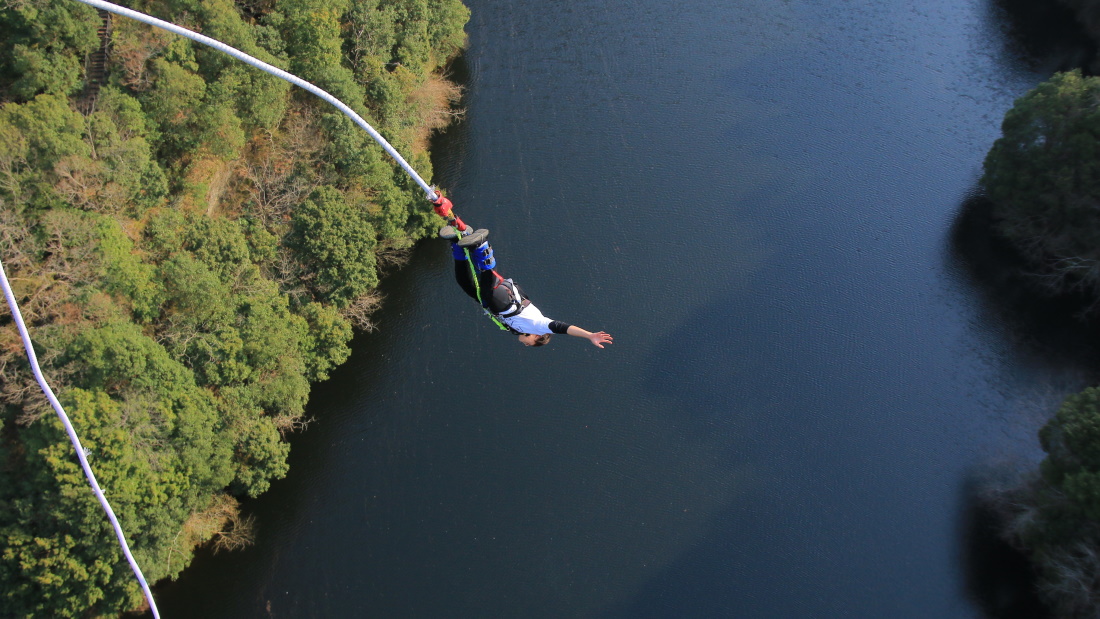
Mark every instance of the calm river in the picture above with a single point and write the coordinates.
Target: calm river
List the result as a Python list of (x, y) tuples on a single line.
[(812, 370)]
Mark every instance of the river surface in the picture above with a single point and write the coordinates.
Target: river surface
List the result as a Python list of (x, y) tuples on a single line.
[(812, 371)]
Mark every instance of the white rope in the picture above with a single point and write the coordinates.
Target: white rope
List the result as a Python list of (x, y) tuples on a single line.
[(277, 72), (73, 438)]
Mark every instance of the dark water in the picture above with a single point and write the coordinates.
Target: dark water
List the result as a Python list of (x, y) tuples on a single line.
[(815, 362)]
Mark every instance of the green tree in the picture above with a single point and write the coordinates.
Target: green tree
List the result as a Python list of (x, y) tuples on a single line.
[(336, 243), (326, 345), (1055, 517), (40, 133), (45, 44), (44, 71), (155, 440), (94, 254), (311, 29), (1043, 177), (173, 102)]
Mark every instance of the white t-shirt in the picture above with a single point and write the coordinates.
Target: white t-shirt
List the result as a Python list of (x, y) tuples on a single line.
[(530, 320)]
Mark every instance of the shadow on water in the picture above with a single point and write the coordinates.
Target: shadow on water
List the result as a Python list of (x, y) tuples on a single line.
[(998, 577), (1054, 327), (714, 373), (1044, 35), (458, 71)]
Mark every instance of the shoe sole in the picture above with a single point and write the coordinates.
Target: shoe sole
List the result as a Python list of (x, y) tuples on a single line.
[(475, 239)]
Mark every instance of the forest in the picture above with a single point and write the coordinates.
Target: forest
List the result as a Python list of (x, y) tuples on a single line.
[(192, 243)]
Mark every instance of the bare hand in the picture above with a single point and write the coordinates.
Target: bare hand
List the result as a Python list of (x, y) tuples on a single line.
[(599, 339)]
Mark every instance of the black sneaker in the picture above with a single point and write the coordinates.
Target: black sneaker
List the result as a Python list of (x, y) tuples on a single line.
[(475, 239), (448, 233)]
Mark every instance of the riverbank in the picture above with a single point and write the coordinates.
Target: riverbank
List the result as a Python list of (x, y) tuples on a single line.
[(191, 254)]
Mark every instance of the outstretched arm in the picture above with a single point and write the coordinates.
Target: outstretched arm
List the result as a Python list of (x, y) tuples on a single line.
[(598, 339)]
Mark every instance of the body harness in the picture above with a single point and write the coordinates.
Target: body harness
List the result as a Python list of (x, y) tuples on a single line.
[(517, 300)]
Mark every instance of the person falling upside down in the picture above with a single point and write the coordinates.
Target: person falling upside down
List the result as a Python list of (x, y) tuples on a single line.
[(475, 270)]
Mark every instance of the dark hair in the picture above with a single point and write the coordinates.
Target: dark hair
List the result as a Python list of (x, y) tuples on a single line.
[(542, 340)]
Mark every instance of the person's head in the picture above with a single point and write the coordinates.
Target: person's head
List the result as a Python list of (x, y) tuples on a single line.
[(530, 339)]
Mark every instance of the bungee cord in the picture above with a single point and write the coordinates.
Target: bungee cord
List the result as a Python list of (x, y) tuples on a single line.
[(442, 205), (73, 438), (277, 72)]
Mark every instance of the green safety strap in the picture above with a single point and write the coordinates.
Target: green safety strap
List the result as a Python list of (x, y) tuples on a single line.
[(477, 289)]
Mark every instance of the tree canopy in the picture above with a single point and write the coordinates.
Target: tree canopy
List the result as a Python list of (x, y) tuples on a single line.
[(1043, 178), (1055, 516), (191, 252)]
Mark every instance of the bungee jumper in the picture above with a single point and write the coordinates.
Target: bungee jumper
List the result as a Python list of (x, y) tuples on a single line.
[(502, 299)]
